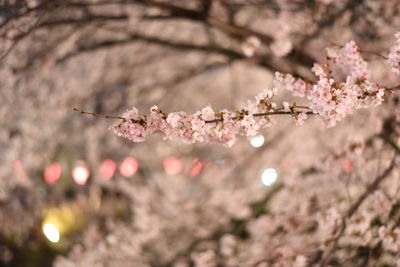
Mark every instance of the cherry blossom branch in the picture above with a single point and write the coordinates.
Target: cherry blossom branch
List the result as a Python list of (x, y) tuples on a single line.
[(200, 125), (104, 116), (330, 100)]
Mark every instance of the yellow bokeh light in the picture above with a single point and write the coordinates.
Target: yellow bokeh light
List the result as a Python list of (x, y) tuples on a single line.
[(51, 232), (62, 221)]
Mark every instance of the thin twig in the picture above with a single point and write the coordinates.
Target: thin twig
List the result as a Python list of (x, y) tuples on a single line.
[(97, 115), (263, 114)]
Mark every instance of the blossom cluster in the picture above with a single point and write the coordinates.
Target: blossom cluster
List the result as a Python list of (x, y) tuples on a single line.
[(330, 99), (202, 126)]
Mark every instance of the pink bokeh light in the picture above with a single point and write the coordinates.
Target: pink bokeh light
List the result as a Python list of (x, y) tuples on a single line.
[(173, 165), (107, 169), (128, 167), (52, 173)]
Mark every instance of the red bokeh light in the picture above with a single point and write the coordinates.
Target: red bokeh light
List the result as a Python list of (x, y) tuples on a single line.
[(173, 165), (196, 168), (52, 173), (107, 169), (128, 167), (81, 173)]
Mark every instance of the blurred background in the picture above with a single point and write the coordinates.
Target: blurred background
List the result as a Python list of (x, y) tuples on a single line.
[(74, 194)]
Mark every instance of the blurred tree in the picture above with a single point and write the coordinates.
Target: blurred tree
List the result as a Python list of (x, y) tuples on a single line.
[(308, 196)]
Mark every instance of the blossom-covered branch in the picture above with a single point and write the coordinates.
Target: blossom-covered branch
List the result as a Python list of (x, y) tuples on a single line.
[(330, 99)]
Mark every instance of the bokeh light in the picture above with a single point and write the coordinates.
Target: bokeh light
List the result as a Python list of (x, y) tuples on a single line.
[(107, 169), (196, 168), (269, 176), (51, 232), (52, 173), (173, 165), (128, 167), (81, 173), (257, 141), (62, 221)]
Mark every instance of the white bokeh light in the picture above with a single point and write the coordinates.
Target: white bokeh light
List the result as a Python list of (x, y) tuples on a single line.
[(257, 141), (51, 232), (80, 174), (269, 176)]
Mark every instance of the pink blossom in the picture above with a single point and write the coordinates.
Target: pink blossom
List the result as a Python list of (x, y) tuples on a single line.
[(154, 108), (197, 123), (134, 132), (297, 87), (299, 118), (318, 70), (131, 114), (250, 125), (286, 106), (349, 58), (262, 102), (174, 118), (155, 123), (207, 114)]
